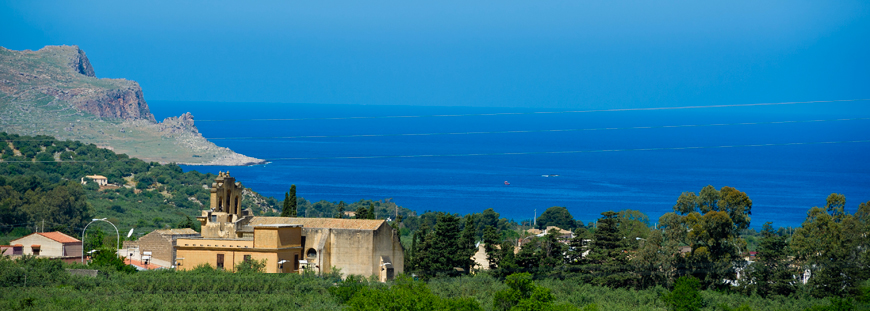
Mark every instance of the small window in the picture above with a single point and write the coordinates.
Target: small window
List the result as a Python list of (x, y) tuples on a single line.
[(213, 218), (220, 261), (312, 253), (295, 262), (303, 241)]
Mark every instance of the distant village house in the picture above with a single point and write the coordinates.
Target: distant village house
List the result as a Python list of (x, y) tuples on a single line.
[(99, 179), (562, 235), (49, 245)]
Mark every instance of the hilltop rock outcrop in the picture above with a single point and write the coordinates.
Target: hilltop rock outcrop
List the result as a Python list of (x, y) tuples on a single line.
[(79, 62), (178, 125)]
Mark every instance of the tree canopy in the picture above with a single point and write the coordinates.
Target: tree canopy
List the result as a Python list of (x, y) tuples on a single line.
[(556, 216)]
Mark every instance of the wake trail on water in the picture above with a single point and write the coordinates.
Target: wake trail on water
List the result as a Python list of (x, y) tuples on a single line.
[(568, 151), (544, 112), (534, 131)]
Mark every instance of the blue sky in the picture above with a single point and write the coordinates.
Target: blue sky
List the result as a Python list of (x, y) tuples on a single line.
[(543, 54)]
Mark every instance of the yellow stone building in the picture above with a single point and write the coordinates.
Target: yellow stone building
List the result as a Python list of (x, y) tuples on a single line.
[(279, 245), (231, 235)]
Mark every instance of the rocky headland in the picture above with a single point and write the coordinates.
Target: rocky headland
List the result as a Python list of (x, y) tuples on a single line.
[(54, 91)]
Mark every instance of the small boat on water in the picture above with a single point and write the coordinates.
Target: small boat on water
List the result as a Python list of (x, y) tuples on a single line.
[(506, 183), (550, 175)]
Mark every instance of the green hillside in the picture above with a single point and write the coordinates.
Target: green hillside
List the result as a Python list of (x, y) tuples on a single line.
[(41, 185)]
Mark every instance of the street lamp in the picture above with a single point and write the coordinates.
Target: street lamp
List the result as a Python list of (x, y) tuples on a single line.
[(118, 244)]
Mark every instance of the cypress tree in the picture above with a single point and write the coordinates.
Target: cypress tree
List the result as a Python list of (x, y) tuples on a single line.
[(371, 211), (438, 251), (341, 207), (771, 272), (292, 204), (419, 250), (361, 213), (608, 258), (411, 255), (491, 240), (466, 244), (285, 209)]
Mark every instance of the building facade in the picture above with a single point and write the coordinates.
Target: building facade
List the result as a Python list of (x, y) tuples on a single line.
[(157, 247), (47, 244), (99, 179), (355, 246), (278, 246)]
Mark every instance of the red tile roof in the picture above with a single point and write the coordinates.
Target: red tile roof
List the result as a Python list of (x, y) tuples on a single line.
[(59, 237), (141, 264)]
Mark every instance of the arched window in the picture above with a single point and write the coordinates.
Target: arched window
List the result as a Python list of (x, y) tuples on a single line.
[(312, 253)]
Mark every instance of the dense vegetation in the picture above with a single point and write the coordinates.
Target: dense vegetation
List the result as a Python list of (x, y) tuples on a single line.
[(702, 242), (31, 283), (40, 185)]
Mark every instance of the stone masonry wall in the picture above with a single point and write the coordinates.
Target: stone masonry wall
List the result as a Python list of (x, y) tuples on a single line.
[(159, 245)]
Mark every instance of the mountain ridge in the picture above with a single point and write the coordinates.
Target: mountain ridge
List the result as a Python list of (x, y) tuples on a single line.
[(54, 91)]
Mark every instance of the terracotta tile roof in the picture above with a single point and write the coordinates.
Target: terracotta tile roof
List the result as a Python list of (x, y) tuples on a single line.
[(184, 231), (142, 265), (333, 223), (59, 237)]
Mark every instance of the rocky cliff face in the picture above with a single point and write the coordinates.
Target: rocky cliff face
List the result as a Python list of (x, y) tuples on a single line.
[(54, 91), (126, 102), (30, 73)]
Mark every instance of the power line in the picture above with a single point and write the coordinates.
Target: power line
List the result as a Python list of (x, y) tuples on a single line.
[(541, 112)]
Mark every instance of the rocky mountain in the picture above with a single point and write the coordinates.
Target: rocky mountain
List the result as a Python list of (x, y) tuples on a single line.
[(54, 91)]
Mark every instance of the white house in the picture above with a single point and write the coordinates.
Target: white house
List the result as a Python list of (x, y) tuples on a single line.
[(47, 244)]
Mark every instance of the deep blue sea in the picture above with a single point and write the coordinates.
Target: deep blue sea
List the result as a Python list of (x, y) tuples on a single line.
[(457, 169)]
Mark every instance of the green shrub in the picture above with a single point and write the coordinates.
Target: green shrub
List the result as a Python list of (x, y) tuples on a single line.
[(685, 296), (345, 290), (407, 294), (251, 266)]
